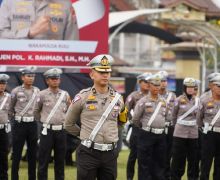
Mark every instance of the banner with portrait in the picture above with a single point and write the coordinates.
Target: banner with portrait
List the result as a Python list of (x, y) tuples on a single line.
[(57, 46)]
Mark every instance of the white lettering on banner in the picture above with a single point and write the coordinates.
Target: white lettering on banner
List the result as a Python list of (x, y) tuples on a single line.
[(17, 57), (30, 58), (49, 58), (5, 57)]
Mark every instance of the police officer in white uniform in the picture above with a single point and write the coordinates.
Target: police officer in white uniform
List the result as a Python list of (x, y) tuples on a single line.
[(149, 116), (185, 137), (24, 125), (100, 110), (170, 99), (51, 107), (209, 122), (133, 98), (4, 126)]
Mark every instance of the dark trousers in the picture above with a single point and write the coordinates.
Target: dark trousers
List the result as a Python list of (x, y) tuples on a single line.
[(210, 152), (169, 140), (3, 155), (92, 164), (198, 156), (151, 156), (21, 132), (133, 153), (72, 142), (184, 149), (55, 140)]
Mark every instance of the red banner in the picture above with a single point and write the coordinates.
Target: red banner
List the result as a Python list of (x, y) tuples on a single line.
[(92, 20)]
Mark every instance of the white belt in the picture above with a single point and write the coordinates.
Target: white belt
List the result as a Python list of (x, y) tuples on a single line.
[(167, 124), (186, 122), (6, 127), (2, 126), (216, 129), (53, 127), (153, 130), (24, 119), (98, 146)]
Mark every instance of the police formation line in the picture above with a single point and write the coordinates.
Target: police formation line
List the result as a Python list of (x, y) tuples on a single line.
[(163, 127), (98, 110), (167, 131)]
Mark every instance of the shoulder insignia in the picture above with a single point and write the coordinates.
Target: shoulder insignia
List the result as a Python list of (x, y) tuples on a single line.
[(85, 90), (129, 98), (210, 104), (182, 100), (76, 98)]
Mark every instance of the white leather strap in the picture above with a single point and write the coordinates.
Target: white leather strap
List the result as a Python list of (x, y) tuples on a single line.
[(4, 101), (190, 110), (152, 118), (29, 103), (215, 118), (52, 112), (104, 117)]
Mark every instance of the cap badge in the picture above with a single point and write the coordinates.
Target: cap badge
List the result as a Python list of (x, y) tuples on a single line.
[(104, 61)]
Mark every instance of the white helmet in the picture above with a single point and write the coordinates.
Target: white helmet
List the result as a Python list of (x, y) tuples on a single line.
[(189, 81)]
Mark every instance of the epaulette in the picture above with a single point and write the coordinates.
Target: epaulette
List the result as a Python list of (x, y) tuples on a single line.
[(85, 90)]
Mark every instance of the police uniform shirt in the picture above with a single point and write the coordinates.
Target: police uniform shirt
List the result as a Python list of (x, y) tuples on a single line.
[(133, 98), (208, 110), (88, 107), (20, 97), (170, 104), (182, 105), (4, 111), (46, 101), (17, 16), (145, 108)]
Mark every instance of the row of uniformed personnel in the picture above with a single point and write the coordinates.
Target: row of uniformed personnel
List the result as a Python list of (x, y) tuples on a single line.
[(99, 110), (164, 125), (24, 106)]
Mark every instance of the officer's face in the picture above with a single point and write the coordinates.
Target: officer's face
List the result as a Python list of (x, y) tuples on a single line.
[(28, 79), (211, 86), (100, 78), (195, 91), (2, 87), (144, 85), (190, 90), (163, 84), (216, 89), (53, 82), (154, 89)]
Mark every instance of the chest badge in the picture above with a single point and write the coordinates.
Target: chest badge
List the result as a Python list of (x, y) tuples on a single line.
[(91, 107), (91, 97)]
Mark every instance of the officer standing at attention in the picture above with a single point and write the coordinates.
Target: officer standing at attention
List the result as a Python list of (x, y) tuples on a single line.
[(133, 98), (209, 121), (24, 126), (51, 107), (185, 140), (100, 110), (170, 99), (149, 116), (4, 126), (38, 19)]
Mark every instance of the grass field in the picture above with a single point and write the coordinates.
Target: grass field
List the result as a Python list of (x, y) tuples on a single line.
[(70, 172)]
